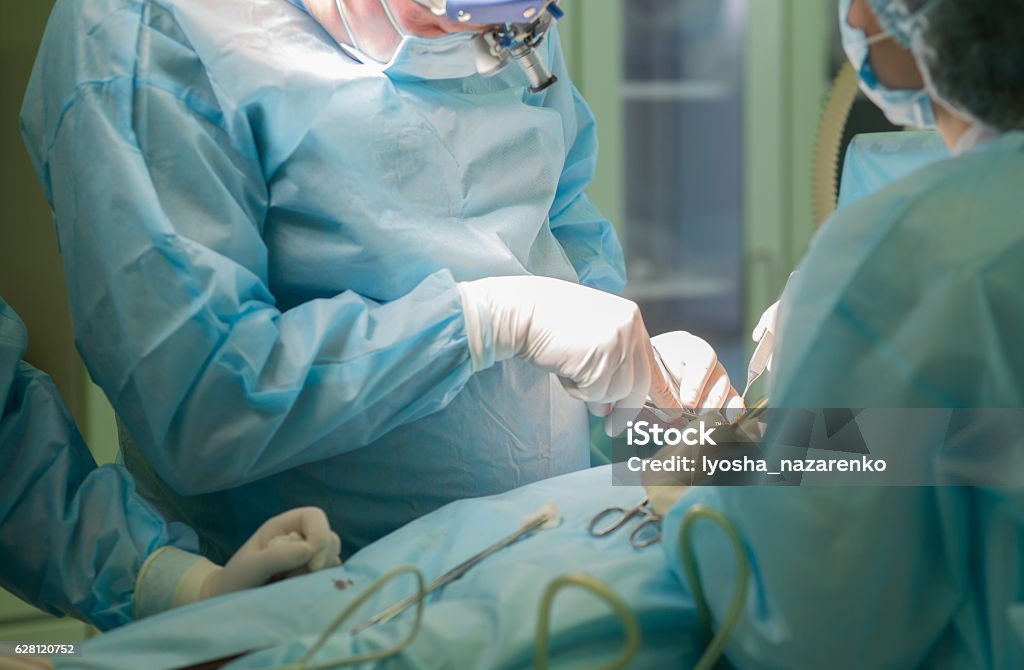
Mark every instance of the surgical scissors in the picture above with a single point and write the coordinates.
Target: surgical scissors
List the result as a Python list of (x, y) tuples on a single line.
[(750, 413), (648, 532), (664, 414)]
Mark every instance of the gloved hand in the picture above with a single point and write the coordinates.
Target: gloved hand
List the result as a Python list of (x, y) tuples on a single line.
[(594, 341), (296, 542), (766, 327), (695, 374)]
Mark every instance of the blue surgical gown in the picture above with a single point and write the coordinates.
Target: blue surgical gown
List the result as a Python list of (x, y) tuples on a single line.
[(73, 537), (262, 243), (908, 298), (875, 160)]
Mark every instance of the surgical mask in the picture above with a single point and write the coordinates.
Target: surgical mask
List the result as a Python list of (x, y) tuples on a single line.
[(452, 56), (904, 107), (449, 57)]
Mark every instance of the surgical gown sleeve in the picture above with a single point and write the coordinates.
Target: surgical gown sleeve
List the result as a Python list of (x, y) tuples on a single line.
[(587, 237), (159, 199), (73, 536), (843, 577), (893, 307)]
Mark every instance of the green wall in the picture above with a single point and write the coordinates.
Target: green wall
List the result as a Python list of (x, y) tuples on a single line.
[(591, 38), (30, 275), (31, 278)]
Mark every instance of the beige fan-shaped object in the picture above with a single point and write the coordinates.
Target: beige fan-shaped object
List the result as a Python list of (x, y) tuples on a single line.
[(825, 176)]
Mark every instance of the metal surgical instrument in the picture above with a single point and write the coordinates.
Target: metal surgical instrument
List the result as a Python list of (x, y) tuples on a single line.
[(541, 520), (648, 532)]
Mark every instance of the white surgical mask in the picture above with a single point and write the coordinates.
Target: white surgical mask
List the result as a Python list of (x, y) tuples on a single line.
[(452, 56), (449, 57), (902, 107)]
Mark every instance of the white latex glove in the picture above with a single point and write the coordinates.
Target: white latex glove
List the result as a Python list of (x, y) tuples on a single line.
[(693, 371), (594, 341), (764, 337), (296, 542), (767, 326)]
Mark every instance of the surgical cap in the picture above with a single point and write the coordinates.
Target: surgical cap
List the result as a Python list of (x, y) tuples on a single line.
[(972, 55), (892, 20)]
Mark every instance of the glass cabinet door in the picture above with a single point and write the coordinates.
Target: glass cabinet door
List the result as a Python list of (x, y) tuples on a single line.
[(707, 113), (682, 94)]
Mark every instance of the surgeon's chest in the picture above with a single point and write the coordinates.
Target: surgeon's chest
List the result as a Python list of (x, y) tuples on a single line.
[(389, 182), (446, 152)]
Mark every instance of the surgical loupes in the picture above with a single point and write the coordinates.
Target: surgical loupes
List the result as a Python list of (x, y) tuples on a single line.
[(514, 31)]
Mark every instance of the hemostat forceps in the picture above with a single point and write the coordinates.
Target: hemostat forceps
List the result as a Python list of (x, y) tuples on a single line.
[(610, 519)]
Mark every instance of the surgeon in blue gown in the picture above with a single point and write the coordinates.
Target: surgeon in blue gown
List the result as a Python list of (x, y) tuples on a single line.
[(309, 272), (76, 539)]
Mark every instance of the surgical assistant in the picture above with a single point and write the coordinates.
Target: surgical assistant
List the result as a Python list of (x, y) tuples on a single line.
[(307, 275), (928, 314), (907, 298), (77, 540)]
